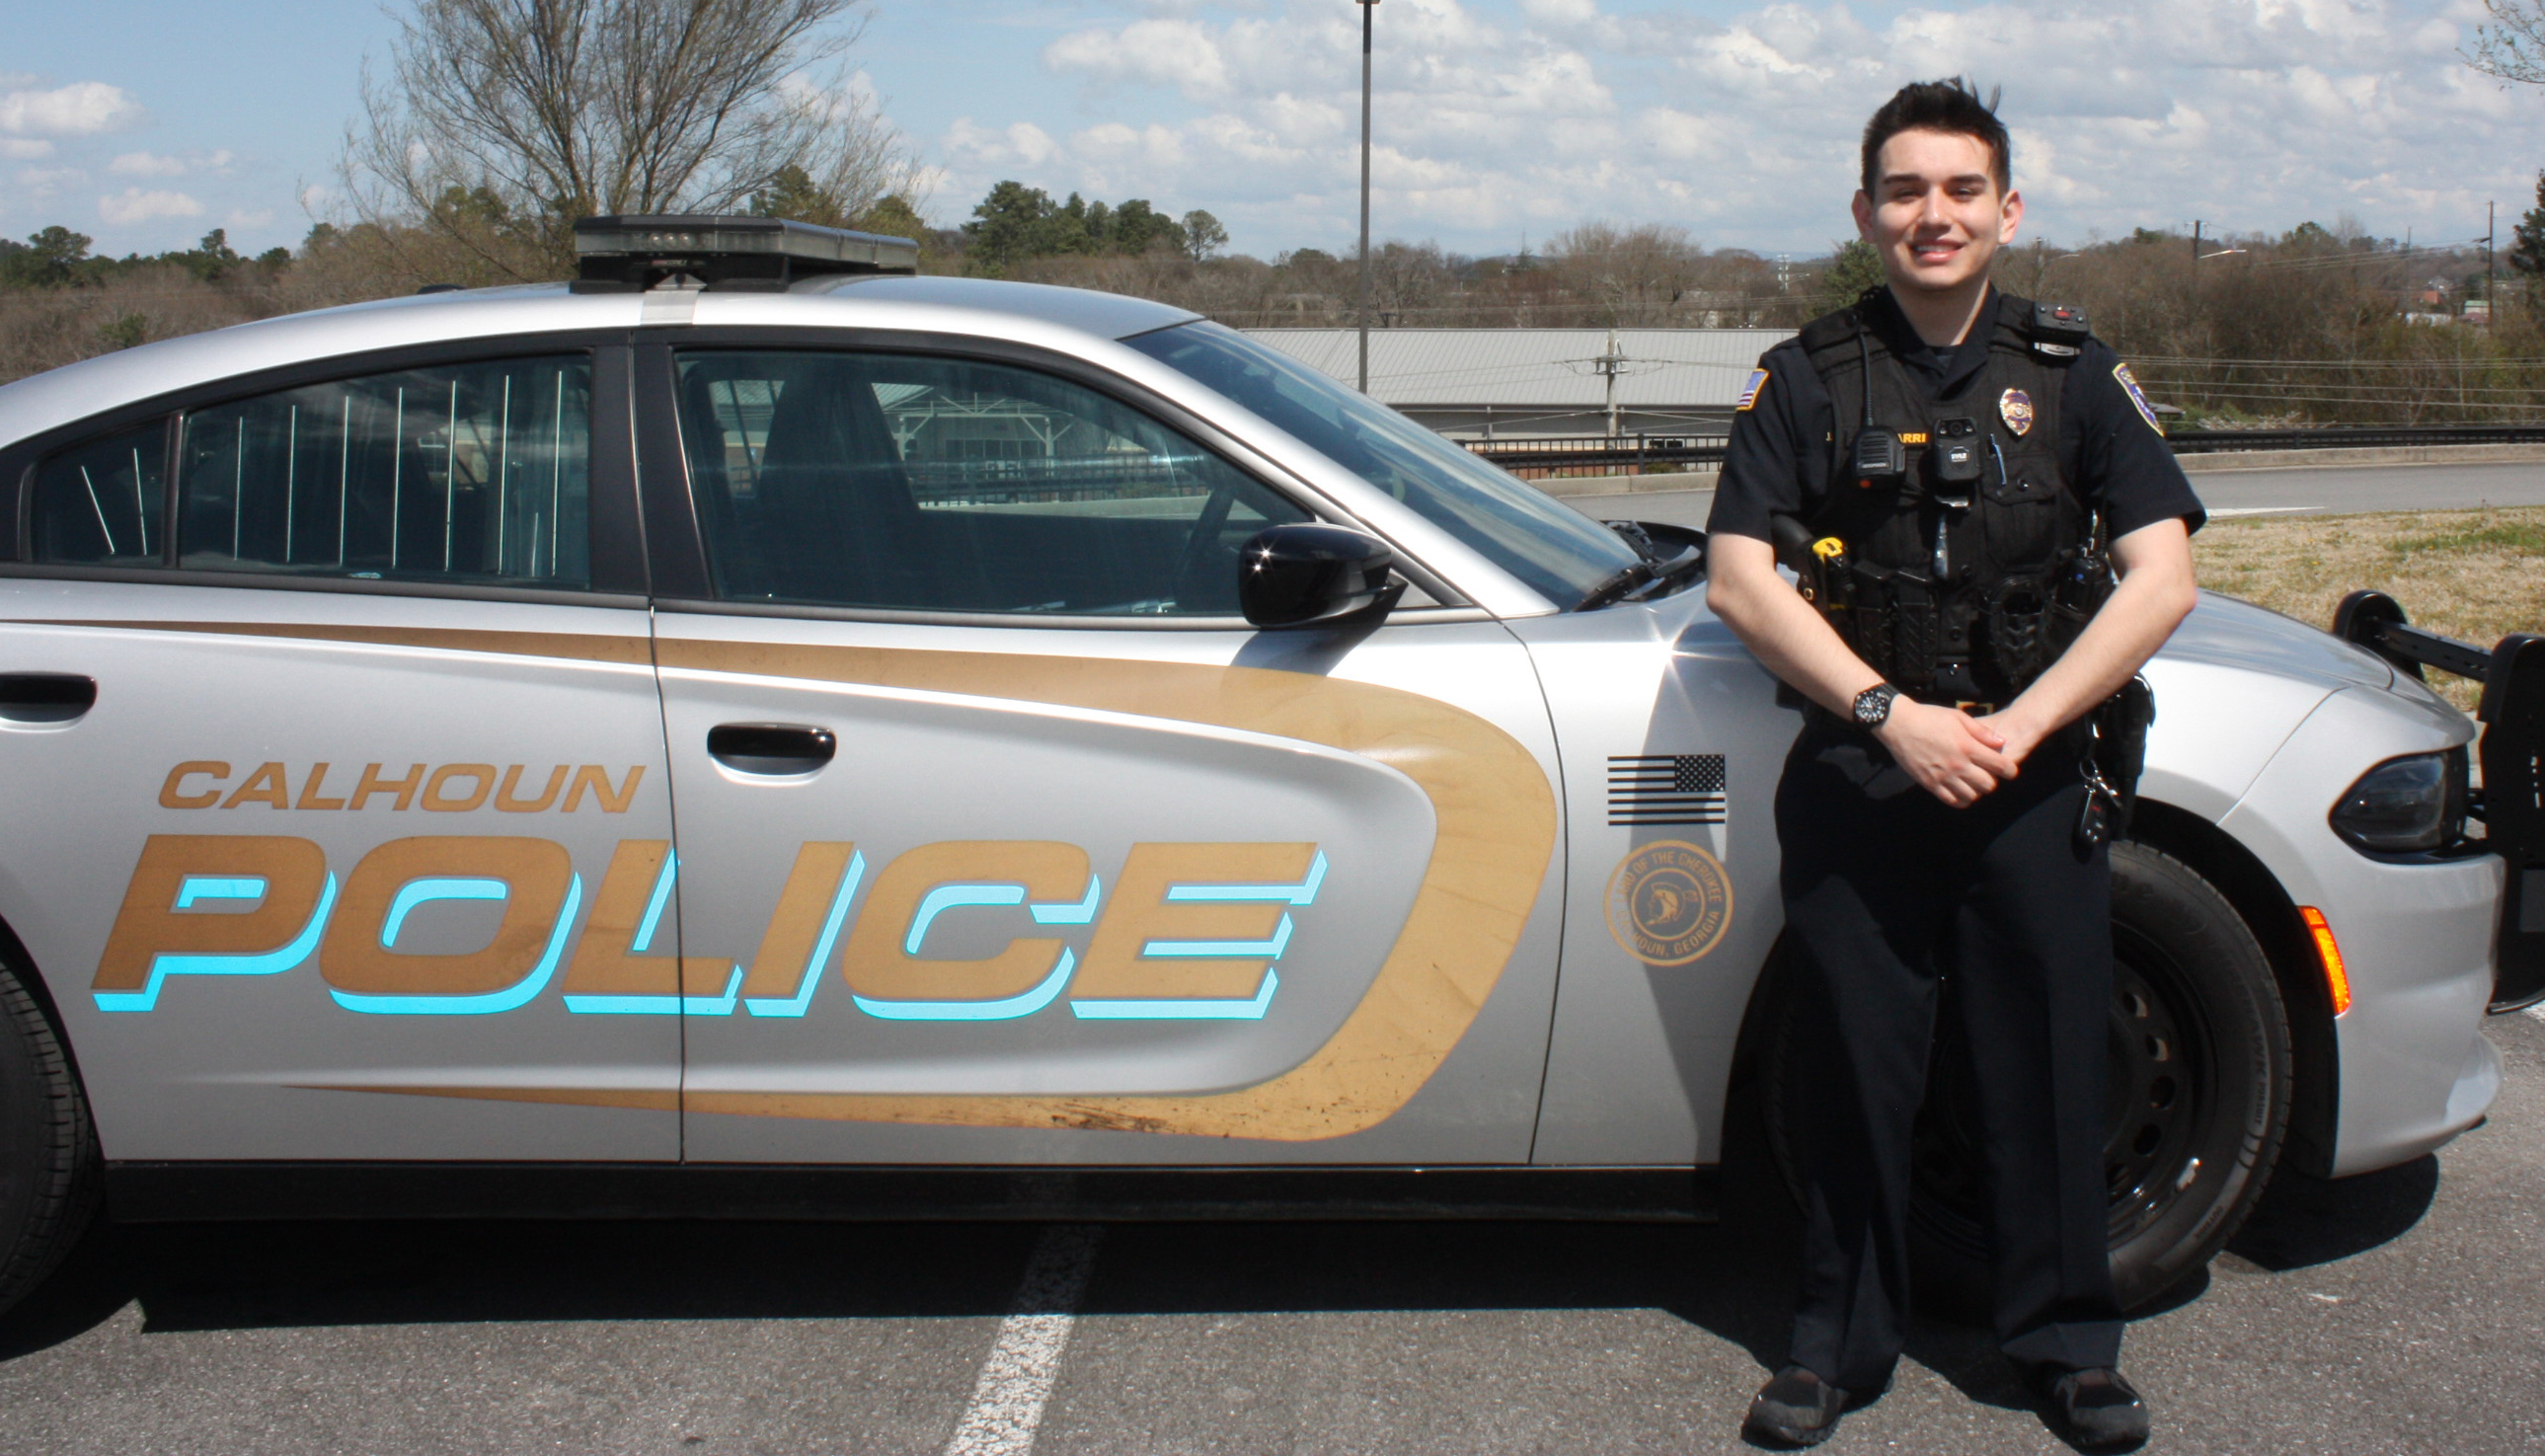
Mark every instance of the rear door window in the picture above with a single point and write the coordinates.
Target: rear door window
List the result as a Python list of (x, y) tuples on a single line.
[(473, 473), (104, 502), (920, 483)]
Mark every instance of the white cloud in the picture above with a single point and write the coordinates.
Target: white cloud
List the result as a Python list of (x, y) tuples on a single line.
[(144, 164), (134, 205), (249, 217), (1022, 144), (42, 184), (1742, 124), (25, 149), (151, 164), (81, 108), (1163, 53)]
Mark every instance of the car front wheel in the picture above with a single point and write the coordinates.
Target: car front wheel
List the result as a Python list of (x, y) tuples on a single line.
[(2196, 1100)]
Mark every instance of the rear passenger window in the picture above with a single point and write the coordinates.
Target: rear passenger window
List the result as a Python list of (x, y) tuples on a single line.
[(903, 481), (100, 504), (469, 473)]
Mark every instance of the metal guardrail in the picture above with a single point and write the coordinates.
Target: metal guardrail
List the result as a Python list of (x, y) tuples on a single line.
[(1649, 452), (1646, 450), (2338, 437)]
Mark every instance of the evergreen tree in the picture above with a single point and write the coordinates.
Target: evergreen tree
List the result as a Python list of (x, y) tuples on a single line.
[(1008, 225), (1853, 269), (792, 193), (1203, 236), (1015, 222), (2527, 246), (47, 259), (1138, 227), (894, 218)]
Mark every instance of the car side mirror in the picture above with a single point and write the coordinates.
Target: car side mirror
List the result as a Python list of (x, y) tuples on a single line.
[(1296, 576)]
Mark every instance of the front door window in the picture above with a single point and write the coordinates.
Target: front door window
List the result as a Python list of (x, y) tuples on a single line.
[(931, 484)]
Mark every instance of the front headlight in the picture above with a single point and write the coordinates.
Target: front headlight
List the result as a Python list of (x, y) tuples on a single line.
[(2406, 806)]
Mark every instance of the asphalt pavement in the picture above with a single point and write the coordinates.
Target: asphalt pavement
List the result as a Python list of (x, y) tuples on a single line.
[(2399, 1311), (2334, 490)]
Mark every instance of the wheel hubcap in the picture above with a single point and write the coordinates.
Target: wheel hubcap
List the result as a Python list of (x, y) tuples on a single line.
[(2156, 1088)]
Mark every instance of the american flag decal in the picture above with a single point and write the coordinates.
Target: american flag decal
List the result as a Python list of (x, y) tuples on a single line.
[(1666, 788)]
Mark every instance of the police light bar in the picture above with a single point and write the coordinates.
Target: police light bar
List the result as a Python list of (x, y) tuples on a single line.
[(630, 254)]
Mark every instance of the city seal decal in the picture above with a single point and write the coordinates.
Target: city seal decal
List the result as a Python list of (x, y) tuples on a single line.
[(1669, 903), (2015, 408), (2130, 382)]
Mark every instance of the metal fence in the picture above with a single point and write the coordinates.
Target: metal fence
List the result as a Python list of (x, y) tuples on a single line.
[(1645, 453), (1636, 452)]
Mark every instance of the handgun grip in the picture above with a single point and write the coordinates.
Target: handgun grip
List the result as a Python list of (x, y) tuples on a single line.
[(1793, 542)]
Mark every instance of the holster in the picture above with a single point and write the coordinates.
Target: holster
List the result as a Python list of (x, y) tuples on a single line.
[(2120, 749)]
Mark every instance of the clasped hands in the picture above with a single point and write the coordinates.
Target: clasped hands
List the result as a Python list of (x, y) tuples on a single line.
[(1955, 756)]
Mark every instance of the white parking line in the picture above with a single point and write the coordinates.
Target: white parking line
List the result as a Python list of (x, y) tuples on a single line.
[(2221, 511), (1015, 1380)]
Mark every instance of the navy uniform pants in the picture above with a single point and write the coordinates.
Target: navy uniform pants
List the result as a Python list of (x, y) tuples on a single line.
[(1886, 889)]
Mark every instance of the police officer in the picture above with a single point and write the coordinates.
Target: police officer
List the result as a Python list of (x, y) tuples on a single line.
[(1993, 539)]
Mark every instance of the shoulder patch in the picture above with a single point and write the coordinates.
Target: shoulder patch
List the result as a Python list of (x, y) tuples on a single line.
[(1750, 391), (2129, 382)]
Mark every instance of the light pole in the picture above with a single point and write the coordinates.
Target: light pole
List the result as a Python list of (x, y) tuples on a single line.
[(1367, 8)]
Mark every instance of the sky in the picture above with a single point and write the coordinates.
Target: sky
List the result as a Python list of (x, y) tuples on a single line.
[(148, 123)]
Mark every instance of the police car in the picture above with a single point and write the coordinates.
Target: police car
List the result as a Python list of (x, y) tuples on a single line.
[(755, 729)]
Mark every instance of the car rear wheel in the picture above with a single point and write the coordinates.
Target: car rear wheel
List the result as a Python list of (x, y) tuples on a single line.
[(49, 1172), (2198, 1096)]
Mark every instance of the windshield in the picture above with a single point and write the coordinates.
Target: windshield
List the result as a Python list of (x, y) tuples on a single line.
[(1560, 553)]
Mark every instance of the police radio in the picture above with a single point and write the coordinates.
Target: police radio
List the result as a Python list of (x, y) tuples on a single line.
[(1879, 453)]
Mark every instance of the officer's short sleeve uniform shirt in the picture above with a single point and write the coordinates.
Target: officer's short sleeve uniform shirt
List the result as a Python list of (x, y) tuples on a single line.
[(1784, 438)]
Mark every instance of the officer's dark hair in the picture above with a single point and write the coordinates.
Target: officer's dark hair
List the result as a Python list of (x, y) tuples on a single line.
[(1951, 105)]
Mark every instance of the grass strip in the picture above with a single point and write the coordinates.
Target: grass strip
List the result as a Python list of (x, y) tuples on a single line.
[(2475, 575)]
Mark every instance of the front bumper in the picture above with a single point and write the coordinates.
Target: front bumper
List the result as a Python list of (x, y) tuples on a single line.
[(2417, 937)]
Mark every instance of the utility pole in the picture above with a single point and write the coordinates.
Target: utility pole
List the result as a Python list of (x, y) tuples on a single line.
[(2195, 239), (2487, 261), (1368, 8), (1610, 365)]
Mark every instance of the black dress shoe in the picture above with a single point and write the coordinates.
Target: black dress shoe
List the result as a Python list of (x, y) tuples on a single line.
[(1795, 1408), (2099, 1411)]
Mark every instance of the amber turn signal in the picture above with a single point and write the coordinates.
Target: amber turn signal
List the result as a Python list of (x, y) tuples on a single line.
[(2328, 950)]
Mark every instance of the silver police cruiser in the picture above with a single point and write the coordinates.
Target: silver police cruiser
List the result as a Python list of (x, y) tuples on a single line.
[(756, 730)]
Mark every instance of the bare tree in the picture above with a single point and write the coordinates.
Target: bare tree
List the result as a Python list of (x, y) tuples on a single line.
[(2512, 47), (1632, 276), (502, 121)]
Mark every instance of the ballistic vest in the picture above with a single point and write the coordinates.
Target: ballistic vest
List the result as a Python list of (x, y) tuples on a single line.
[(1965, 574)]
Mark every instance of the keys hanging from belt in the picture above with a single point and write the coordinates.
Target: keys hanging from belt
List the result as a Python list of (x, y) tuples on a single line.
[(2102, 810)]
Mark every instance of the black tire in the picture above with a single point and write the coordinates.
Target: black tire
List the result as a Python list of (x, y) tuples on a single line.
[(48, 1164), (2199, 1093)]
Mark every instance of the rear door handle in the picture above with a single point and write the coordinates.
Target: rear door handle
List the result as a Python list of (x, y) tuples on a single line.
[(46, 698), (776, 750)]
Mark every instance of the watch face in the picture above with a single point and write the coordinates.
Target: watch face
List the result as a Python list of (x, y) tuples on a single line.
[(1872, 705)]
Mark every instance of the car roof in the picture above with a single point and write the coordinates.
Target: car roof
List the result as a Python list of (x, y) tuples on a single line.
[(1025, 312)]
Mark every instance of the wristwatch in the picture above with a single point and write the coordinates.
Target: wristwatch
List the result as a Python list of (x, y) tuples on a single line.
[(1873, 705)]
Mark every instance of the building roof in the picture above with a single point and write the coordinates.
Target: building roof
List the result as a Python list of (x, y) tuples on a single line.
[(1535, 368)]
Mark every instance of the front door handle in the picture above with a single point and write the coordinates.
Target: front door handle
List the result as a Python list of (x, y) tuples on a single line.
[(46, 698), (776, 750)]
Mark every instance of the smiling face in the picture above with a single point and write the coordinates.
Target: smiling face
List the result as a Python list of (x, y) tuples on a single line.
[(1936, 213)]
